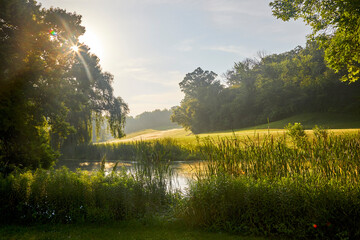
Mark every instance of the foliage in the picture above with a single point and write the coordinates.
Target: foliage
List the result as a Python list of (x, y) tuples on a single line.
[(282, 208), (336, 26), (48, 92), (167, 148), (297, 133), (61, 196), (274, 187), (270, 88), (201, 94), (270, 186)]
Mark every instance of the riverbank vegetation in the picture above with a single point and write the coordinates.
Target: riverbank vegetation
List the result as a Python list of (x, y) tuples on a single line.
[(253, 181), (308, 189), (287, 186)]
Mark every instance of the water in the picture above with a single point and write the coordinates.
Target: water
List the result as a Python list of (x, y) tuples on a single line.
[(183, 170)]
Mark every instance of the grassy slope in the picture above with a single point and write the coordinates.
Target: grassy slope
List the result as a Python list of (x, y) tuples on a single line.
[(338, 122), (110, 231), (326, 120)]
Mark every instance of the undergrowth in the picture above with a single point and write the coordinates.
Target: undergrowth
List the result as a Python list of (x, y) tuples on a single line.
[(291, 186)]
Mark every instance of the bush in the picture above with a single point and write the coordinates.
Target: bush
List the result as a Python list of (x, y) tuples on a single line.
[(274, 208), (65, 196)]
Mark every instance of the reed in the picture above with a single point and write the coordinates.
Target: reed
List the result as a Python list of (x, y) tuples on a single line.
[(325, 156), (62, 196), (289, 185), (129, 150)]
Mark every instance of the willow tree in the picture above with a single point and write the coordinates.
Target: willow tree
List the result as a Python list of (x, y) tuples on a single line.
[(50, 85)]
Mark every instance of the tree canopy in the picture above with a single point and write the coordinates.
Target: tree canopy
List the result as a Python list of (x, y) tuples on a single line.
[(201, 92), (49, 92), (336, 26), (271, 87)]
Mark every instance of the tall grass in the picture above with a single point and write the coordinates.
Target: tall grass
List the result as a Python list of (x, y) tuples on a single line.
[(81, 196), (290, 185), (325, 156), (129, 150)]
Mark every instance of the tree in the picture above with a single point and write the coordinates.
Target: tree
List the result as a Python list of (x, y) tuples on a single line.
[(197, 80), (199, 106), (336, 26), (274, 87), (48, 91)]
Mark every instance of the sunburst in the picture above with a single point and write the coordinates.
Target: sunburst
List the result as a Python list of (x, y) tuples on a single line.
[(75, 48)]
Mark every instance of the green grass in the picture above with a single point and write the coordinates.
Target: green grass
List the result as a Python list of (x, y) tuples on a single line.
[(138, 133), (279, 186), (340, 123), (273, 186), (309, 120), (121, 230)]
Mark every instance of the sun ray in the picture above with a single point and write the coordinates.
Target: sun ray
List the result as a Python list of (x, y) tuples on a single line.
[(75, 48)]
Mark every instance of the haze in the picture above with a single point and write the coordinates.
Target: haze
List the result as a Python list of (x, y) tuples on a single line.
[(149, 45)]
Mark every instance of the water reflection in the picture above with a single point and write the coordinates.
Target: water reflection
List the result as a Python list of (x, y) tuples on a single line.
[(184, 171)]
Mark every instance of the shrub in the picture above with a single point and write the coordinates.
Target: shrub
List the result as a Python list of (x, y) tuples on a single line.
[(65, 196)]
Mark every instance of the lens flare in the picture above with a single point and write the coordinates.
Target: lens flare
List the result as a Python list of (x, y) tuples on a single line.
[(52, 32), (75, 48)]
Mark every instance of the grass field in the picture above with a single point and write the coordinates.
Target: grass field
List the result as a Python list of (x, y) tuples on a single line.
[(125, 230), (266, 181), (338, 123)]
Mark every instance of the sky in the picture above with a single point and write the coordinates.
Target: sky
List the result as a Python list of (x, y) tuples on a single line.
[(150, 45)]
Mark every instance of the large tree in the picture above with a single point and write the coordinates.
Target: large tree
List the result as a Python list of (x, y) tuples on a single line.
[(335, 24), (49, 91), (200, 102)]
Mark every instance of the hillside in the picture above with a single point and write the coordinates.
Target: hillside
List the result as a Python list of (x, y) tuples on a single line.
[(338, 123), (325, 120)]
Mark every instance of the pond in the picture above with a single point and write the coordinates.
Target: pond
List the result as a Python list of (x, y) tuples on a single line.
[(184, 171)]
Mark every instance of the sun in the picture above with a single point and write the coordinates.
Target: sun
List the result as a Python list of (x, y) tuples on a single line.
[(92, 40), (75, 48)]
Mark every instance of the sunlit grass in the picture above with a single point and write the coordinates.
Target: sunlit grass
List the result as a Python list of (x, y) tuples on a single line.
[(337, 123), (279, 185), (267, 183), (184, 137)]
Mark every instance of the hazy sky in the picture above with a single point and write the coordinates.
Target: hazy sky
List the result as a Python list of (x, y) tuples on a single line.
[(149, 45)]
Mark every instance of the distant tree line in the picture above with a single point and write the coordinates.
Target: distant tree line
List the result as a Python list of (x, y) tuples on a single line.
[(51, 86), (157, 119), (270, 87)]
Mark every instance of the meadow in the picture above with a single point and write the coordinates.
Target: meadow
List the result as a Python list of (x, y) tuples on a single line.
[(289, 183)]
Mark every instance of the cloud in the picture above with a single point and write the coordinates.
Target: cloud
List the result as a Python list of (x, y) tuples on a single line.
[(145, 87), (257, 8), (238, 50), (147, 70), (141, 74), (150, 102), (185, 45), (163, 98), (238, 14)]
